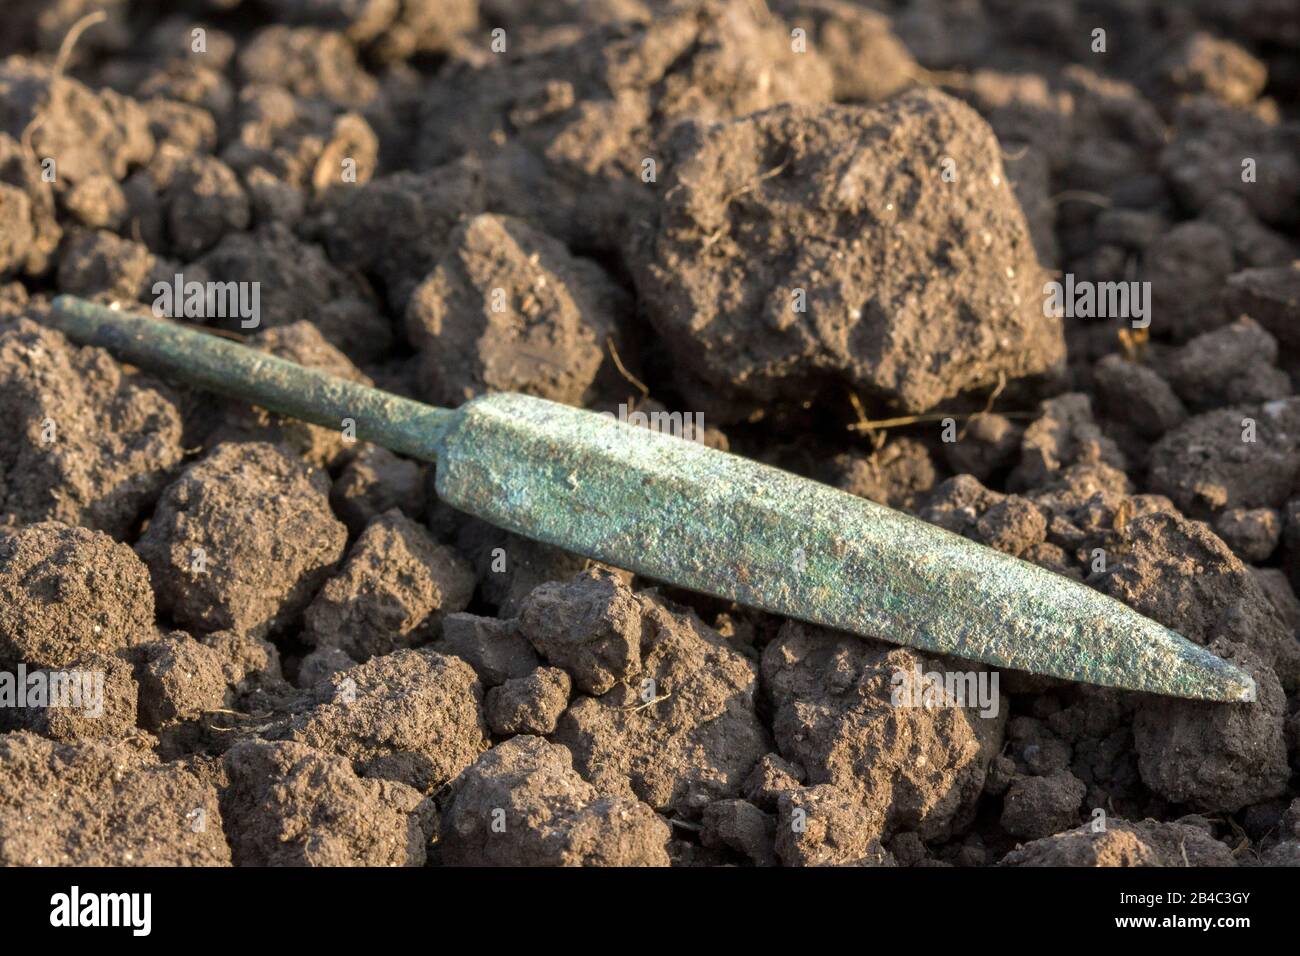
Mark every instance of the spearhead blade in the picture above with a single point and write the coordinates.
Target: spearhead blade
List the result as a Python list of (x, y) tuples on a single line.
[(689, 515)]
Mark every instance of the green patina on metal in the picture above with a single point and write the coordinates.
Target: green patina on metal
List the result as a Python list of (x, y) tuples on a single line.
[(218, 365), (680, 512)]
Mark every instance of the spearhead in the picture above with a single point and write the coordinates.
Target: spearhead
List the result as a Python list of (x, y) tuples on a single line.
[(677, 511)]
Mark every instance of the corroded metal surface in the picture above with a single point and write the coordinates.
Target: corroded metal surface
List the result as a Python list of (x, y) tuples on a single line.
[(682, 513), (712, 522), (208, 362)]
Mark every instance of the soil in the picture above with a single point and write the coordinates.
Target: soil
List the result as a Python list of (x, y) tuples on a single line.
[(826, 227)]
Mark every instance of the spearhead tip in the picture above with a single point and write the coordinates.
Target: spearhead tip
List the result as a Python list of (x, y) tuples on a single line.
[(1220, 680), (1170, 664)]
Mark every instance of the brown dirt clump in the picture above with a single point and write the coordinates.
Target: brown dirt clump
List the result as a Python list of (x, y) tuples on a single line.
[(826, 826), (528, 705), (1242, 457), (740, 826), (814, 219), (1065, 433), (682, 731), (69, 592), (522, 804), (1272, 298), (214, 567), (1138, 395), (32, 232), (1122, 843), (88, 131), (990, 446), (393, 591), (1181, 574), (535, 318), (1186, 267), (293, 806), (493, 647), (89, 443), (375, 481), (867, 61), (98, 803), (200, 200), (510, 567), (1240, 751), (413, 716), (396, 228), (181, 678), (97, 263), (914, 768), (592, 626), (563, 127), (386, 30), (310, 63), (1035, 807), (1231, 365), (1204, 158), (320, 664), (771, 776), (298, 282), (1204, 63), (898, 475), (104, 708)]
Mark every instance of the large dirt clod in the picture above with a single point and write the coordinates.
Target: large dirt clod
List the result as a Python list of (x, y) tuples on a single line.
[(522, 804), (87, 442), (914, 767), (242, 540)]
